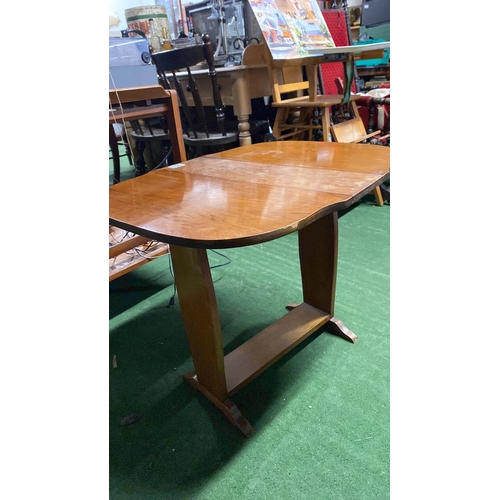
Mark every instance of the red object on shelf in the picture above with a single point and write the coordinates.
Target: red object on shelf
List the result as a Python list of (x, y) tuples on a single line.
[(335, 20)]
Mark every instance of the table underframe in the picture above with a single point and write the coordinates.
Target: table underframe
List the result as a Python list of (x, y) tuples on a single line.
[(217, 376)]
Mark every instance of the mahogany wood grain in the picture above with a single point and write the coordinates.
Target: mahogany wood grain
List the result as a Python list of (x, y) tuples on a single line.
[(353, 131), (318, 262), (247, 195), (241, 197), (141, 103), (227, 407), (200, 314), (250, 359), (334, 325)]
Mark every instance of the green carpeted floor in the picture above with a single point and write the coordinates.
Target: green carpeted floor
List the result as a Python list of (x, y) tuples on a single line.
[(321, 414)]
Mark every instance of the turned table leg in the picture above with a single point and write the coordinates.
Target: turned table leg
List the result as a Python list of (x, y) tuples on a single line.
[(244, 130)]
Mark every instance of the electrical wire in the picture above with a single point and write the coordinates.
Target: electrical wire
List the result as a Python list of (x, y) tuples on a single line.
[(172, 298), (164, 161), (142, 253), (228, 260), (122, 119), (136, 251)]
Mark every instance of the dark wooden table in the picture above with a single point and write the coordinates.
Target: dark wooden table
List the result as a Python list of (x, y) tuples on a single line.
[(241, 197)]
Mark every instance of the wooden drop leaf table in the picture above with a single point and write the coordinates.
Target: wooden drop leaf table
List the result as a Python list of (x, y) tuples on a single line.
[(243, 196)]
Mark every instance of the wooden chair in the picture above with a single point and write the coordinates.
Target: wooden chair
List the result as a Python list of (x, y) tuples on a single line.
[(141, 104), (352, 129), (201, 134), (144, 113), (301, 110), (121, 140), (152, 140)]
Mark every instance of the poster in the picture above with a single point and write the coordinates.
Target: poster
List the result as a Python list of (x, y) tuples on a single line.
[(291, 27)]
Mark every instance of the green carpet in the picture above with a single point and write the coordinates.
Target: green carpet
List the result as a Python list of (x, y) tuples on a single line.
[(321, 414)]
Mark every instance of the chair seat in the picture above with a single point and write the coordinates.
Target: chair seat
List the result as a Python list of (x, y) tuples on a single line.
[(213, 140), (155, 133), (152, 147)]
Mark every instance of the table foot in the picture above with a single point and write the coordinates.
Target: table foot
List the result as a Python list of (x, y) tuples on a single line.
[(338, 328), (335, 326), (227, 407)]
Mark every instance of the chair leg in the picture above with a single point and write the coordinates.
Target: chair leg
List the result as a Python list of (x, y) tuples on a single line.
[(140, 167), (278, 120), (306, 116), (126, 145), (325, 125), (113, 144), (378, 196)]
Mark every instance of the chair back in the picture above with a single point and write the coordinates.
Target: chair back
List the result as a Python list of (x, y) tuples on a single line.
[(170, 62), (139, 106), (294, 80)]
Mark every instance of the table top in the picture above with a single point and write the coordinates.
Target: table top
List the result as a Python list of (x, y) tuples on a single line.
[(247, 195), (350, 49), (202, 69)]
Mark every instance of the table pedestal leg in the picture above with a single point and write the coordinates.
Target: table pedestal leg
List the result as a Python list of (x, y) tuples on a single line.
[(218, 376), (202, 325), (227, 407), (318, 248), (334, 325)]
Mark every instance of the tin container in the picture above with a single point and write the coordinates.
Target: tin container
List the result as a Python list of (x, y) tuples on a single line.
[(137, 19)]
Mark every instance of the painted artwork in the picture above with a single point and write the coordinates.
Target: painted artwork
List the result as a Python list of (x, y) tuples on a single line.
[(291, 27)]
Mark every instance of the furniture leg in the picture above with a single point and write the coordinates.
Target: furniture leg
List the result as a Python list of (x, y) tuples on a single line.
[(318, 248), (244, 130), (379, 199), (280, 114), (386, 192), (140, 167), (113, 144), (128, 151), (325, 125), (371, 117), (306, 117), (242, 107), (202, 325)]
